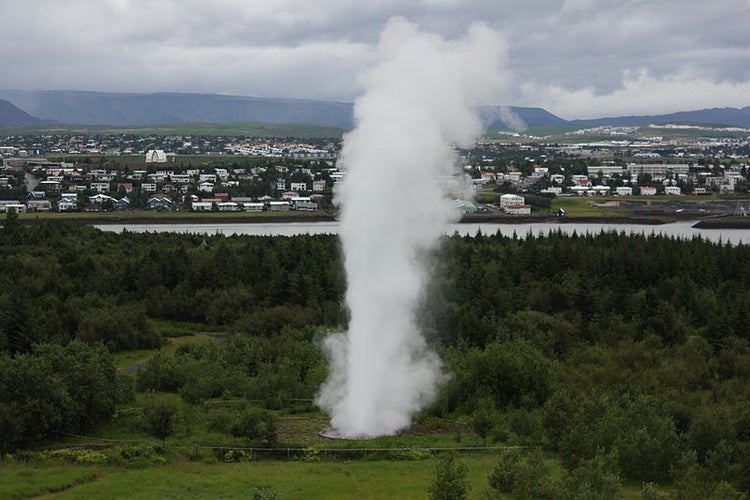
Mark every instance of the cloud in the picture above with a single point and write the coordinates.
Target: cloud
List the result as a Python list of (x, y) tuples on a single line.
[(640, 93), (313, 48)]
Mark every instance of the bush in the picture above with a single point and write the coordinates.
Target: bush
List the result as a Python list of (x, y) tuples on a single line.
[(450, 481)]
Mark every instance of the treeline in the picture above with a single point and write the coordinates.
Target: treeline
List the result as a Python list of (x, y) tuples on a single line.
[(628, 356)]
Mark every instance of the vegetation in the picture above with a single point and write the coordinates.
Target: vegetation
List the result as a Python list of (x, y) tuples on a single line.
[(623, 359)]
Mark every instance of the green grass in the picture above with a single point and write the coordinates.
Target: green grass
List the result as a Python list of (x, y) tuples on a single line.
[(128, 358), (19, 481), (182, 479), (585, 207), (245, 128)]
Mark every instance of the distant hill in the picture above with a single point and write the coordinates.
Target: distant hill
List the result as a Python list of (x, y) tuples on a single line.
[(103, 108), (123, 109), (12, 115), (733, 117)]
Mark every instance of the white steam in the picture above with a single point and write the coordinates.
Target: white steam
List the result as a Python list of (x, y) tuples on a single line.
[(419, 100)]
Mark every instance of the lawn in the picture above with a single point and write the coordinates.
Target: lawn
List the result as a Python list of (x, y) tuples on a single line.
[(183, 478)]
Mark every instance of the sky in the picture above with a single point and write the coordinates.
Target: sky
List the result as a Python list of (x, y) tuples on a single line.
[(575, 58)]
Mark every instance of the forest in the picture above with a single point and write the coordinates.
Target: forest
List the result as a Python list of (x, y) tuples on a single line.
[(626, 357)]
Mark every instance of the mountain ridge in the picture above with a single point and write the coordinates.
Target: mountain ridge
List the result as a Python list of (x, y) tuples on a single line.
[(75, 107)]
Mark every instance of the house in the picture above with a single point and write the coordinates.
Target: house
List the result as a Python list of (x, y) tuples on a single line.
[(160, 202), (122, 204), (68, 202), (517, 209), (278, 206), (100, 198), (298, 186), (148, 187), (303, 203), (673, 190), (227, 206), (249, 206), (511, 199), (6, 205), (205, 187), (51, 186), (648, 190), (35, 205), (319, 186), (202, 206), (99, 187), (464, 206), (557, 178), (156, 156), (624, 191), (126, 187)]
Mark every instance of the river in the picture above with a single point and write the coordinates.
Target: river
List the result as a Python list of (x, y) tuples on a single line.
[(682, 229)]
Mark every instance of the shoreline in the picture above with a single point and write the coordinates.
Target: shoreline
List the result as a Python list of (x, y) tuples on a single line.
[(720, 222)]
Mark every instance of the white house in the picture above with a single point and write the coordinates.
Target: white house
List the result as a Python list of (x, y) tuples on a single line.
[(511, 199), (206, 187), (201, 206), (624, 191), (319, 186), (673, 190), (100, 187), (298, 186), (557, 178), (278, 206), (227, 206), (35, 205), (249, 206), (518, 209), (648, 190)]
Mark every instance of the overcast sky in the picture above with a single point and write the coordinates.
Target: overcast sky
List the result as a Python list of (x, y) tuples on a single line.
[(575, 58)]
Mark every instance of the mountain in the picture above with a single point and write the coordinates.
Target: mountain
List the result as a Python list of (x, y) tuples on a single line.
[(125, 109), (105, 108), (733, 117), (11, 115)]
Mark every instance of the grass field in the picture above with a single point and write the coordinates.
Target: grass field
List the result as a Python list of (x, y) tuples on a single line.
[(182, 479)]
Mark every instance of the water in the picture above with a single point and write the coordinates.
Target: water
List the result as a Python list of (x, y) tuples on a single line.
[(683, 229)]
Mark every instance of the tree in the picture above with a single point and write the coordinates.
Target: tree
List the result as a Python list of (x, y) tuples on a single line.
[(484, 419), (160, 418), (450, 480), (522, 474)]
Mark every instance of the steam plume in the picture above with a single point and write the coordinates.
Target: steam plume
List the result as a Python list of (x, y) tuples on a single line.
[(419, 100)]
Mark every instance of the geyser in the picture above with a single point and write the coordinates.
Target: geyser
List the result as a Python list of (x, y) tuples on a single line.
[(420, 99)]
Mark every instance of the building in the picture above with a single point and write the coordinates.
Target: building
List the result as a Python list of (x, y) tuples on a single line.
[(35, 205), (511, 199), (624, 191), (657, 168), (606, 170), (648, 190), (673, 190), (202, 206), (517, 209), (156, 156)]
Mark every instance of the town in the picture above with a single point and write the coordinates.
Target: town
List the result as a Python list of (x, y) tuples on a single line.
[(69, 173)]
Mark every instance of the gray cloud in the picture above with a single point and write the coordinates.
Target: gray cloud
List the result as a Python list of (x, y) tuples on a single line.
[(578, 58)]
